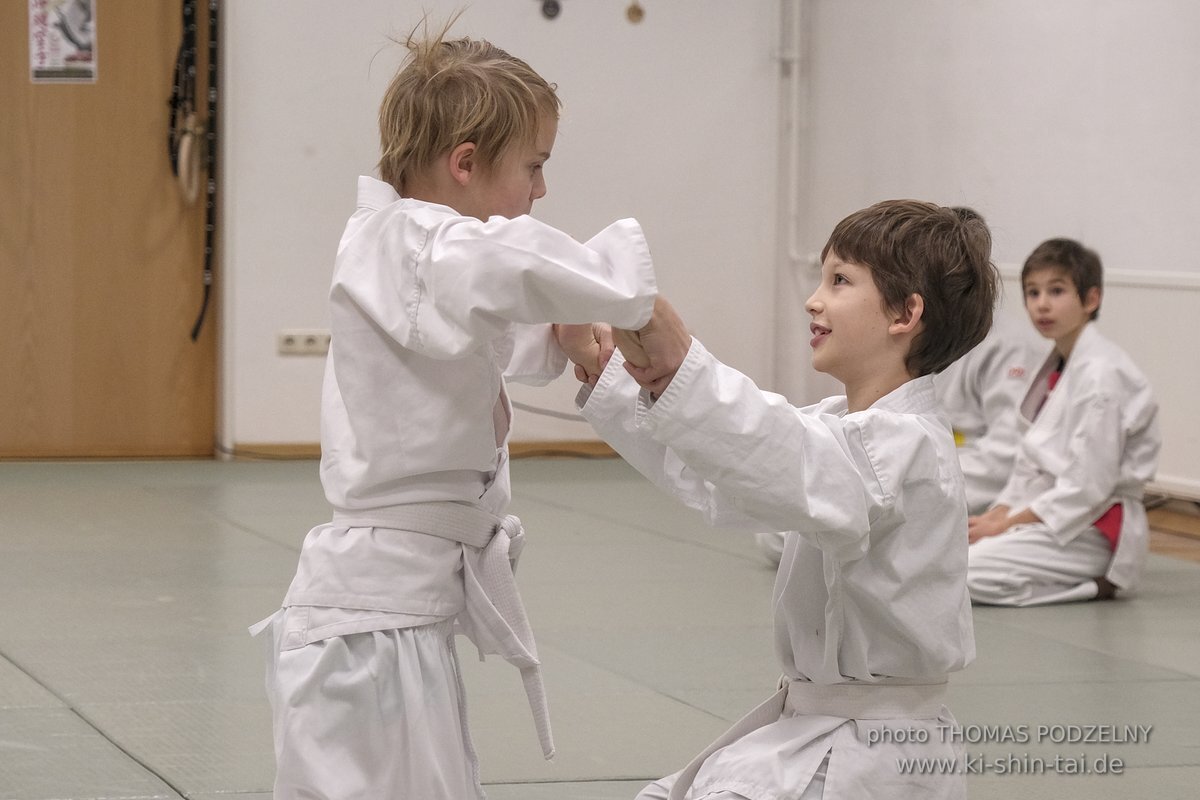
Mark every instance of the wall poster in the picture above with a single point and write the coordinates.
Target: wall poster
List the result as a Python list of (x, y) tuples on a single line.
[(62, 41)]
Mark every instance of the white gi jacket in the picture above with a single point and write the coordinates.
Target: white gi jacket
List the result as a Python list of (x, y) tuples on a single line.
[(1094, 443), (871, 589), (980, 393), (430, 313)]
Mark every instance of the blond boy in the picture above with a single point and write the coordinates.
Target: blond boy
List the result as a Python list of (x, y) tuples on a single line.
[(443, 289)]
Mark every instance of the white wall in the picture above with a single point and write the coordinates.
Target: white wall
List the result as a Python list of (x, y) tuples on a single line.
[(1072, 118), (672, 121), (1069, 118)]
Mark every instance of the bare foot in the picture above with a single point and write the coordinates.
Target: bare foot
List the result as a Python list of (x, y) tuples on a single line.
[(1105, 589)]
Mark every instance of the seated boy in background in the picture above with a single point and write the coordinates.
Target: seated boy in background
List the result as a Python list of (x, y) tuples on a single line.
[(1070, 523)]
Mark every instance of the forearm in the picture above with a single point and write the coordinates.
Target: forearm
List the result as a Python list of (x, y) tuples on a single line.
[(732, 435), (1023, 517), (997, 520), (522, 270), (613, 409), (536, 358)]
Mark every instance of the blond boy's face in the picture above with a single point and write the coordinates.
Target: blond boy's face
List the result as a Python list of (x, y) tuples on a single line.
[(509, 187), (850, 338), (1054, 306)]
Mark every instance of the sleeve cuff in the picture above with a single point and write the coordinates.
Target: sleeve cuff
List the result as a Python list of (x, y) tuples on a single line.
[(614, 370), (651, 411)]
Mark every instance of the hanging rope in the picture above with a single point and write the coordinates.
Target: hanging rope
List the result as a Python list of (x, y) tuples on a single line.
[(188, 161), (210, 196), (184, 130)]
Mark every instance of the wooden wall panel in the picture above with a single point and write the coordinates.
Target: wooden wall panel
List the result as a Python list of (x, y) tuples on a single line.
[(100, 257)]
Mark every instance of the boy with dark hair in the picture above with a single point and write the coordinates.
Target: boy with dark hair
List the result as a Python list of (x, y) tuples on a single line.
[(979, 393), (1070, 523), (871, 606)]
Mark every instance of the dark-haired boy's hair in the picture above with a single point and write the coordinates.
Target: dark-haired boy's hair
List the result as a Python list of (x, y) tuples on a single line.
[(1080, 263), (942, 254)]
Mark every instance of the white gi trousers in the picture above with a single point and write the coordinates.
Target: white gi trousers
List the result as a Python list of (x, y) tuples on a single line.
[(661, 788), (782, 748), (1028, 566), (369, 705), (417, 744)]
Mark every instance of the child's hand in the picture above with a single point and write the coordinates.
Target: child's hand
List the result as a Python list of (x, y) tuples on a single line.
[(630, 345), (589, 346), (991, 523), (654, 353)]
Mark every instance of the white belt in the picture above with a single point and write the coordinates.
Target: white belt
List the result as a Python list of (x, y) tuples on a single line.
[(457, 522), (848, 700), (494, 618), (865, 700)]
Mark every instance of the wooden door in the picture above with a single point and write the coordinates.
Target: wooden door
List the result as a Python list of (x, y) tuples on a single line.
[(100, 256)]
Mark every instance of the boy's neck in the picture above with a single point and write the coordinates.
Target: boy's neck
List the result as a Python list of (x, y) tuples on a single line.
[(427, 188), (1066, 344), (862, 394)]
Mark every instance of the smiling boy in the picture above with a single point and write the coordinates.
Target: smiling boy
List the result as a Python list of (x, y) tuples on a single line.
[(871, 608), (1070, 523)]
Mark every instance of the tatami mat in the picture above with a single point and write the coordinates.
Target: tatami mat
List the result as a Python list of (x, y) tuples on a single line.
[(126, 671)]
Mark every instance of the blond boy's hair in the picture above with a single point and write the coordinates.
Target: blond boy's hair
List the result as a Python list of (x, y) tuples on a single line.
[(452, 91)]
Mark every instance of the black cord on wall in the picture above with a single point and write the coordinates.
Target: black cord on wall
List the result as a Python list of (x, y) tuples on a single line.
[(183, 130), (210, 135)]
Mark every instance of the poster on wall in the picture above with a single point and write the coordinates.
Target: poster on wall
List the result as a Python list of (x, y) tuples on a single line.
[(62, 41)]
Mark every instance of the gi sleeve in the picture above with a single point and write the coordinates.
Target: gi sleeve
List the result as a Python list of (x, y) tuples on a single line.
[(536, 357), (445, 289), (741, 455)]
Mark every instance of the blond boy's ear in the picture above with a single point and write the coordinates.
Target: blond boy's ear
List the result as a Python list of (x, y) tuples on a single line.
[(910, 316), (462, 163)]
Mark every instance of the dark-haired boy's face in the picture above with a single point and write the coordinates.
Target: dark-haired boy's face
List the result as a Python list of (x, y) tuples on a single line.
[(849, 324), (1054, 306)]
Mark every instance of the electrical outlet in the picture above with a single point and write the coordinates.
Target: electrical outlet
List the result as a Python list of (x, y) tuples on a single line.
[(303, 342)]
